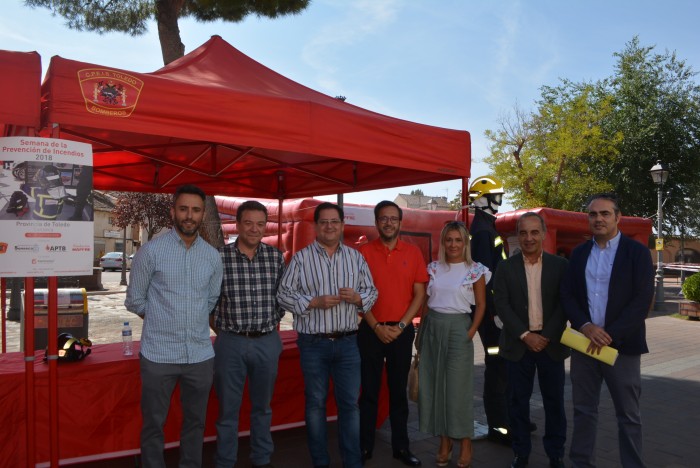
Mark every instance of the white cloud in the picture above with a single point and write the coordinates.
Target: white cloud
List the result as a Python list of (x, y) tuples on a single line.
[(505, 46), (362, 18)]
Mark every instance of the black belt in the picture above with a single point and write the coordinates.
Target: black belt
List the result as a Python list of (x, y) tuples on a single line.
[(249, 334), (388, 324), (336, 335), (539, 332)]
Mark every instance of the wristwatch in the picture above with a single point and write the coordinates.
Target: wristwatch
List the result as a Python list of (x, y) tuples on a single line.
[(402, 325)]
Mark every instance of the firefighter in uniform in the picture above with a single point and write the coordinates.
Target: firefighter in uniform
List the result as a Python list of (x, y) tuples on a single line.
[(486, 195)]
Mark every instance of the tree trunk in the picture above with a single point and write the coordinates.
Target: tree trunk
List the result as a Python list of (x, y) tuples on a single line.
[(167, 14), (211, 226)]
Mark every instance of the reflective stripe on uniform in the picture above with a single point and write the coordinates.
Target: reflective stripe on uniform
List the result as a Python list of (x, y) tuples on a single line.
[(497, 242)]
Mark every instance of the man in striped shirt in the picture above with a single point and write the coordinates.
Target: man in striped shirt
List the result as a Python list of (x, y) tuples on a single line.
[(326, 286), (175, 283), (247, 343)]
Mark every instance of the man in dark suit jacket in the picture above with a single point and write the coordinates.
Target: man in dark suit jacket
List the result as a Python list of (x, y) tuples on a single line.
[(526, 295), (606, 294)]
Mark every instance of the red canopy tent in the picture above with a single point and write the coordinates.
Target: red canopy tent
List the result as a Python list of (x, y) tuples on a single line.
[(219, 119), (20, 86)]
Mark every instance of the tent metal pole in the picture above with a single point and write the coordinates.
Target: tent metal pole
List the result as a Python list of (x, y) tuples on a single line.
[(3, 293), (280, 204), (53, 369), (29, 356), (465, 201)]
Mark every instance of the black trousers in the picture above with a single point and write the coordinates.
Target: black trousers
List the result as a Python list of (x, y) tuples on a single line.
[(495, 377), (550, 375), (397, 356)]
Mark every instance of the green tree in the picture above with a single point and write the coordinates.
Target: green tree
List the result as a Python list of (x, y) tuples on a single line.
[(589, 137), (571, 148), (148, 210), (417, 192), (552, 156), (132, 16), (509, 154), (657, 109)]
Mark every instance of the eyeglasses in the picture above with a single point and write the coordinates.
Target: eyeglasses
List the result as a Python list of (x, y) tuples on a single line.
[(389, 219), (329, 222)]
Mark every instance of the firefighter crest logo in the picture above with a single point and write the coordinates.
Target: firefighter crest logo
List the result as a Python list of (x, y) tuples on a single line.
[(109, 93)]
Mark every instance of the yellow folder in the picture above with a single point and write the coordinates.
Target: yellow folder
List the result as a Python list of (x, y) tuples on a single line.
[(578, 341)]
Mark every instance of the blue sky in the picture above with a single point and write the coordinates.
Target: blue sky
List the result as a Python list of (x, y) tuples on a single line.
[(452, 63)]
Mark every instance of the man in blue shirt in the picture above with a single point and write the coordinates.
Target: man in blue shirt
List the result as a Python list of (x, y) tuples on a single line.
[(247, 343), (606, 294), (175, 283)]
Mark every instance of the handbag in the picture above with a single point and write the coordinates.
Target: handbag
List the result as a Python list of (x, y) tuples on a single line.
[(413, 378)]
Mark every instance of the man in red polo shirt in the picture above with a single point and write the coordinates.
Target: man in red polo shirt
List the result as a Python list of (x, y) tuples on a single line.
[(386, 332)]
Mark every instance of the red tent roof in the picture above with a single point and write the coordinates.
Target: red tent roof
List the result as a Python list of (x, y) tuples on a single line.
[(20, 86), (221, 120)]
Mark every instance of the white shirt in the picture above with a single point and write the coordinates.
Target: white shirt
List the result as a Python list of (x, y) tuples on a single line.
[(450, 290)]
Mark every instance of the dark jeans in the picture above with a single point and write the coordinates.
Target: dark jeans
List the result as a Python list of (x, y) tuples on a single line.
[(323, 359), (397, 356), (239, 358), (550, 375)]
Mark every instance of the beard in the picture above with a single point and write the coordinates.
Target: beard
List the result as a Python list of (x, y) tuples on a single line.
[(388, 238), (186, 231)]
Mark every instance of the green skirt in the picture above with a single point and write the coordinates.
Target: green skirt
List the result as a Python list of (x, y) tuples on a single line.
[(446, 376)]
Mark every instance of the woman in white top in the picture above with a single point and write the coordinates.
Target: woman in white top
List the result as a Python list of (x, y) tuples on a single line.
[(445, 400)]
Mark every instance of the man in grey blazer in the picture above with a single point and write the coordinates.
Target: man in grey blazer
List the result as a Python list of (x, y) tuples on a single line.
[(526, 296)]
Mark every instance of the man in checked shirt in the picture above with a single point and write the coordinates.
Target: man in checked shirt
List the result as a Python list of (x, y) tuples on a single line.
[(325, 286), (247, 343)]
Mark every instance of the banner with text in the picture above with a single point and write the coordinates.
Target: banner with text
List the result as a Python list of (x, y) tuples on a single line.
[(46, 210)]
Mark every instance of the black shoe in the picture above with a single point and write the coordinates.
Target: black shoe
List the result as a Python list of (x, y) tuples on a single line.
[(406, 457), (519, 461), (366, 455), (500, 436), (556, 463), (533, 427)]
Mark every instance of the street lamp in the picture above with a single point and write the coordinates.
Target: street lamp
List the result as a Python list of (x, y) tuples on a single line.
[(659, 175)]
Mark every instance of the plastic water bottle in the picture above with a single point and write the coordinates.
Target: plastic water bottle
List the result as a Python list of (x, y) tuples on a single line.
[(126, 340)]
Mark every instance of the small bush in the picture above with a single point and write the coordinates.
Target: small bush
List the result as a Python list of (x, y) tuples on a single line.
[(691, 288)]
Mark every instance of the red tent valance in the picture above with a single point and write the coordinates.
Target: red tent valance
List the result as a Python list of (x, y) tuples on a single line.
[(20, 86)]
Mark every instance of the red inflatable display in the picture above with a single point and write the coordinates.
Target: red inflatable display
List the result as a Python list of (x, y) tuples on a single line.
[(419, 227), (565, 229)]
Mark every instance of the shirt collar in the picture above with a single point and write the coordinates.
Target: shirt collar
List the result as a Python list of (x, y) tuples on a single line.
[(612, 243), (528, 262), (319, 248), (238, 251), (379, 245), (176, 236)]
